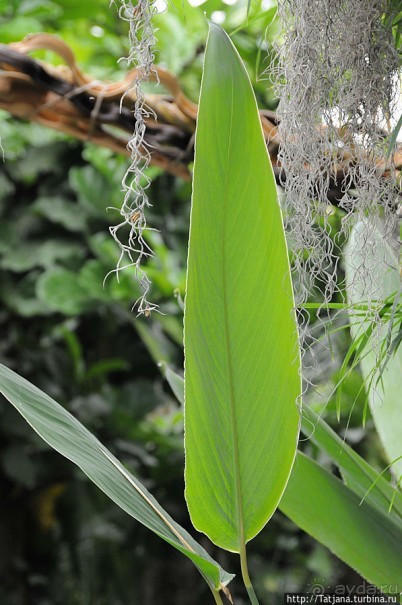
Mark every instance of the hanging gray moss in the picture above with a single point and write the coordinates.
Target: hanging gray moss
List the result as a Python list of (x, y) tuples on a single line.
[(337, 83), (134, 248)]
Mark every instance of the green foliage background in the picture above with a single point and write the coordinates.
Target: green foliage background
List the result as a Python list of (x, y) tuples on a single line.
[(61, 541)]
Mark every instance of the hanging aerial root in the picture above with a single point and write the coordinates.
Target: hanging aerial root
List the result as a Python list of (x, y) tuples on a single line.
[(134, 248)]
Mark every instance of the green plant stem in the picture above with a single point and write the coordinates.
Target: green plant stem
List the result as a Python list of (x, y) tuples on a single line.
[(217, 596), (246, 577)]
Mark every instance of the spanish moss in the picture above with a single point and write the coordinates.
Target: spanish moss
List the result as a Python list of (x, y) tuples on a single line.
[(337, 85)]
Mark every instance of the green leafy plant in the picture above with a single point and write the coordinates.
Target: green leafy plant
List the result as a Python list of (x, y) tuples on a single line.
[(381, 364), (237, 393), (242, 374)]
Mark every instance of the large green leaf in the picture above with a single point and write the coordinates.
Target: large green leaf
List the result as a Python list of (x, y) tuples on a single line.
[(358, 475), (241, 349), (368, 250), (69, 437), (356, 532), (309, 502)]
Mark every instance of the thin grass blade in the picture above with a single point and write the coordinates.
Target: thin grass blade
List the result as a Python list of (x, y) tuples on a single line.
[(382, 372)]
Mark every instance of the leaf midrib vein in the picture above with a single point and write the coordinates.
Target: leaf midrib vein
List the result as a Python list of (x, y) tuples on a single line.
[(239, 499)]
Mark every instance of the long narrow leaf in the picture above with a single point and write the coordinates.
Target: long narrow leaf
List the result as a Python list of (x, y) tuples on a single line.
[(69, 437), (362, 479), (241, 349), (357, 533), (383, 382)]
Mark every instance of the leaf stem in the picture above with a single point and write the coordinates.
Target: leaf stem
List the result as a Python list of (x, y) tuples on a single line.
[(246, 576), (217, 596)]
